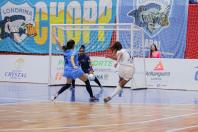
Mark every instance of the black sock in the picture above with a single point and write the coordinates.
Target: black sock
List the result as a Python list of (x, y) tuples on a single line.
[(97, 81), (64, 88), (88, 87), (73, 83)]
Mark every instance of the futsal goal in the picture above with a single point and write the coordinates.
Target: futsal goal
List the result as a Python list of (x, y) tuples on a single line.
[(98, 38)]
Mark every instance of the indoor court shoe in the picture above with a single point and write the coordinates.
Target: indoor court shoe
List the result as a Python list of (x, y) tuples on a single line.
[(53, 98), (107, 99), (93, 99), (72, 88), (120, 93), (99, 93), (101, 87)]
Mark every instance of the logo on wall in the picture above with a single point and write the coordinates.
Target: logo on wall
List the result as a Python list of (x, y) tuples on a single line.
[(59, 69), (19, 63), (151, 15), (159, 67), (17, 22), (158, 75), (196, 74), (18, 70), (158, 72)]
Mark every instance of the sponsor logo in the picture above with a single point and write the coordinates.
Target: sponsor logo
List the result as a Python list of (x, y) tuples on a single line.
[(151, 15), (159, 67), (59, 76), (17, 72), (196, 74), (158, 73), (60, 66), (102, 63), (59, 69), (17, 22)]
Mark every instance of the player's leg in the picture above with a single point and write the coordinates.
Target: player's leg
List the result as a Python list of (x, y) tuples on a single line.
[(115, 92), (73, 84), (88, 87), (119, 87), (66, 86), (72, 89), (122, 84), (96, 79), (98, 82)]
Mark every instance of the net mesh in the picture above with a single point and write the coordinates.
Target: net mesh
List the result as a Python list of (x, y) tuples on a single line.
[(97, 40)]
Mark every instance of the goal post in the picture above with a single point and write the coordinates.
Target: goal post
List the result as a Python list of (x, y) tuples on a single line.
[(98, 38)]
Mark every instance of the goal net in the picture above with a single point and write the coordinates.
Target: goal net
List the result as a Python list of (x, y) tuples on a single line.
[(97, 39)]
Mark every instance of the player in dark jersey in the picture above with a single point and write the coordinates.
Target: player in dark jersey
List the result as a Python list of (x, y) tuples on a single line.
[(85, 63)]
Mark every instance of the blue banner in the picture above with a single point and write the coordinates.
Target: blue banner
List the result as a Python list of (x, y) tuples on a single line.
[(163, 23), (25, 25)]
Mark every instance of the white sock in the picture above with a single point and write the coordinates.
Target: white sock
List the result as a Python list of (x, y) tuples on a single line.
[(116, 91)]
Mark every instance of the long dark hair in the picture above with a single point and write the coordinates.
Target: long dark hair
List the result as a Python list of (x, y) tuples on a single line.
[(82, 47), (116, 46), (82, 50), (151, 51), (70, 45)]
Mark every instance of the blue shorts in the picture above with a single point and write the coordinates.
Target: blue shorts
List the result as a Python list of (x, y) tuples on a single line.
[(73, 73)]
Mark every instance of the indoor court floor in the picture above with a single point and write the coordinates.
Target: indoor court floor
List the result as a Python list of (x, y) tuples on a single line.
[(26, 107)]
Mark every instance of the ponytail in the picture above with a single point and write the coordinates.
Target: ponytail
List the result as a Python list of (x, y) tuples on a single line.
[(70, 45)]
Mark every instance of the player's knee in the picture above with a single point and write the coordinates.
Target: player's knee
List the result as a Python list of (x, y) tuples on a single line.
[(68, 84), (87, 82)]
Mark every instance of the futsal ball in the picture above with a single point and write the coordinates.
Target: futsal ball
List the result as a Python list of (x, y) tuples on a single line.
[(91, 77)]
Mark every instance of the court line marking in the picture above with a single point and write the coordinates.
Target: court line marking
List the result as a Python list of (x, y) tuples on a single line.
[(15, 98), (182, 128), (136, 105), (140, 107), (108, 125), (112, 104), (125, 105), (29, 101), (49, 87)]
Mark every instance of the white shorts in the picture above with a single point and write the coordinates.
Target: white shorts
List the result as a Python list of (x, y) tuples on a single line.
[(126, 71)]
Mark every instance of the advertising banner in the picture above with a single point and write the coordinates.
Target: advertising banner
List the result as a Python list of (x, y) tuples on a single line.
[(103, 70), (172, 73), (25, 25), (23, 68), (164, 23), (149, 73)]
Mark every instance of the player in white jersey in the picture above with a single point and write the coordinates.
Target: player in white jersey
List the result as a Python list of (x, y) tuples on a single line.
[(124, 65)]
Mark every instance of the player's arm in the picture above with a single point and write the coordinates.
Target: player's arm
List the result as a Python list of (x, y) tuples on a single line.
[(90, 65), (119, 55), (72, 62), (89, 61), (112, 56), (58, 41)]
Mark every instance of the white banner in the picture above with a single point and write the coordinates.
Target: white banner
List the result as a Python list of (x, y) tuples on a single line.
[(23, 68), (172, 73), (103, 69), (159, 73)]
